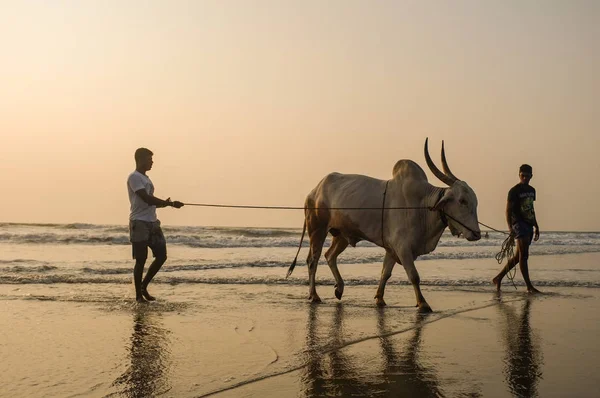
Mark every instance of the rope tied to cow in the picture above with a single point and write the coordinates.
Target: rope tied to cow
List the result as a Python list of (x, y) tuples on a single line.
[(340, 208), (507, 250)]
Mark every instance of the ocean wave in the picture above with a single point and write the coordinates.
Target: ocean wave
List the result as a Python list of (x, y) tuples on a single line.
[(21, 261), (238, 237), (86, 279), (352, 256), (240, 241), (19, 269), (64, 239)]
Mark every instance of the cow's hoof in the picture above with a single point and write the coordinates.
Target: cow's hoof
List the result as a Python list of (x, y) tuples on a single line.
[(424, 308), (338, 293), (380, 302)]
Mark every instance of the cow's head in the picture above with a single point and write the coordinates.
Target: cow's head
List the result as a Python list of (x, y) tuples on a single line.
[(459, 202)]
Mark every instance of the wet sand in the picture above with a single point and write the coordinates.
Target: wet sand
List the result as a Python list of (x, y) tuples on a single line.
[(267, 341)]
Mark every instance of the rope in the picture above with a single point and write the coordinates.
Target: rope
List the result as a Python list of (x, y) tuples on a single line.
[(334, 208), (382, 211), (508, 251), (306, 208)]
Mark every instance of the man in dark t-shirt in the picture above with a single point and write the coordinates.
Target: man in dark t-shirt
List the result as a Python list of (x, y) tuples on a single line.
[(520, 217)]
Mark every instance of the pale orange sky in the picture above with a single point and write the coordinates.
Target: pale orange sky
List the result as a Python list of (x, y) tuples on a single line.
[(253, 102)]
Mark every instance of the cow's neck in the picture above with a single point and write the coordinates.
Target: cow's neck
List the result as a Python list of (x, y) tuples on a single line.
[(436, 222)]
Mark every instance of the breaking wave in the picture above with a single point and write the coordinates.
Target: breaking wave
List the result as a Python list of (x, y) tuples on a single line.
[(87, 279)]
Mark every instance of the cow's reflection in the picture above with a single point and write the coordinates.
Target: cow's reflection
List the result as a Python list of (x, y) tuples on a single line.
[(523, 361), (147, 372), (331, 371), (404, 374)]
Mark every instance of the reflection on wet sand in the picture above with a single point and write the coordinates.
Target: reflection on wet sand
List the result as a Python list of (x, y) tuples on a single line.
[(329, 374), (405, 375), (333, 372), (523, 361), (147, 373)]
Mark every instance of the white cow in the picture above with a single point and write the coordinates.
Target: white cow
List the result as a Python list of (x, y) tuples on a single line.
[(356, 207)]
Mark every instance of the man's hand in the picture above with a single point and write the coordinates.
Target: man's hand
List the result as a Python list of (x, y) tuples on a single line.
[(176, 204), (536, 234)]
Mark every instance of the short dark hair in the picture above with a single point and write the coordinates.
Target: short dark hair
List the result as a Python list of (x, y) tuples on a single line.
[(141, 153), (525, 168)]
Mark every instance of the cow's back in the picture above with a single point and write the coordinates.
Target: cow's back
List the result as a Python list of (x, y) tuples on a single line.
[(347, 190), (348, 204)]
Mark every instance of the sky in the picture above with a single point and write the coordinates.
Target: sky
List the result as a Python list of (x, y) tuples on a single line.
[(253, 102)]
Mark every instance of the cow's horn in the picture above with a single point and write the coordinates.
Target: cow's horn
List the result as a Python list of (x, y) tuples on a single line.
[(445, 164), (443, 177)]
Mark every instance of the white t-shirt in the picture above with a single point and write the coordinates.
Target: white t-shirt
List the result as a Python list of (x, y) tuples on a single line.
[(140, 210)]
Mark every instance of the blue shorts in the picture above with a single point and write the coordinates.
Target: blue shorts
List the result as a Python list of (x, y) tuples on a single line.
[(522, 230)]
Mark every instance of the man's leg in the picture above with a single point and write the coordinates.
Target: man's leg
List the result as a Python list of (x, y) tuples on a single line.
[(509, 265), (140, 250), (160, 254), (523, 247)]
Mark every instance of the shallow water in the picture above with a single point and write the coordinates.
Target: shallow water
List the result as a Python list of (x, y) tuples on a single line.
[(85, 253), (228, 322)]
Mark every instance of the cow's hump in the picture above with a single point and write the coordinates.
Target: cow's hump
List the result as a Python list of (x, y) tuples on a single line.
[(408, 169)]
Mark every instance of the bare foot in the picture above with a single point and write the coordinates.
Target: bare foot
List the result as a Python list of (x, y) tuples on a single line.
[(147, 295), (141, 300), (533, 290), (497, 282)]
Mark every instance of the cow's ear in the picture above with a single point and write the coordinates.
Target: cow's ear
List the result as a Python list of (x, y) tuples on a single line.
[(448, 196)]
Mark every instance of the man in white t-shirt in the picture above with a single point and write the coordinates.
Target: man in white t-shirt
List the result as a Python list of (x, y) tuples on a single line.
[(144, 227)]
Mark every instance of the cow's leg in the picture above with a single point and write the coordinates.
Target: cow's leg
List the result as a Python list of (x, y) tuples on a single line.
[(317, 239), (415, 279), (338, 245), (386, 272)]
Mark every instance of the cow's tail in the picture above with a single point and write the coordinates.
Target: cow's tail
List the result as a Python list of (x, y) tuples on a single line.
[(291, 269)]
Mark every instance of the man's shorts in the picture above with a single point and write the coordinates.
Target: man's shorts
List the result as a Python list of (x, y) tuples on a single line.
[(522, 230), (149, 233)]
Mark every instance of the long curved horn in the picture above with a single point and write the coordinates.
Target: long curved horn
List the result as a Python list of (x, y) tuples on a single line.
[(445, 165), (443, 177)]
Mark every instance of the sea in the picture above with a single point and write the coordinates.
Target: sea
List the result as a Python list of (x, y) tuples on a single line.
[(101, 254)]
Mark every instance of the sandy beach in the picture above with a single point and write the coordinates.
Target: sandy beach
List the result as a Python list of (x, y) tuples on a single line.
[(268, 341)]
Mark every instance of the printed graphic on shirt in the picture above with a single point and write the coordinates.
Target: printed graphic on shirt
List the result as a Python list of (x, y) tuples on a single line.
[(521, 198), (527, 209)]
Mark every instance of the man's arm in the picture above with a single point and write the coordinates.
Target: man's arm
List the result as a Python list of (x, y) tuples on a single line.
[(536, 233), (154, 201)]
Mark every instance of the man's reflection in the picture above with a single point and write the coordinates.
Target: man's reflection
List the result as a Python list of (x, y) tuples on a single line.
[(523, 358), (147, 374)]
